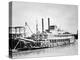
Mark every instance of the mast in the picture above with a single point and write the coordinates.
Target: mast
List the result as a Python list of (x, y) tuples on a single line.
[(37, 30), (36, 26), (25, 29)]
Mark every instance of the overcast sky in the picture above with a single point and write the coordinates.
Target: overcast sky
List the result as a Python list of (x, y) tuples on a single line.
[(64, 16)]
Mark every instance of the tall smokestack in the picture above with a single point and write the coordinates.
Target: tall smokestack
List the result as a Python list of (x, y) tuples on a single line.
[(49, 24), (42, 25)]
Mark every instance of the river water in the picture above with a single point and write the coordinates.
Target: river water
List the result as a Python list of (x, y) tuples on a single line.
[(71, 49)]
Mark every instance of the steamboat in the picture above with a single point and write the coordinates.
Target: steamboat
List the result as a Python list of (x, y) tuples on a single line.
[(49, 38)]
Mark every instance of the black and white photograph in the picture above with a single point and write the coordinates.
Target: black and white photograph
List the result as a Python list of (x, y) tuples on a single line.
[(42, 30)]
